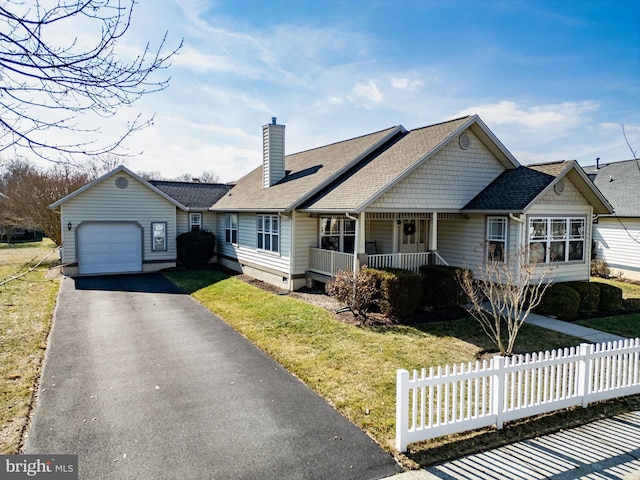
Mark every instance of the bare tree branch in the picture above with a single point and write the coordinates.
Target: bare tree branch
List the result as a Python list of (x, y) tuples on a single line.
[(503, 294), (48, 86)]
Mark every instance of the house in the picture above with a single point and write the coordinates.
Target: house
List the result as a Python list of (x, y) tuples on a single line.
[(120, 223), (616, 236), (449, 193)]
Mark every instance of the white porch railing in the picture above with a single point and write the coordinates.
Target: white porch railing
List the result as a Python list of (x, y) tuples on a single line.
[(463, 398), (328, 262), (406, 261)]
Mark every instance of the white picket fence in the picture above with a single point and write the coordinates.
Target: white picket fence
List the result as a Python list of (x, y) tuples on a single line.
[(469, 396)]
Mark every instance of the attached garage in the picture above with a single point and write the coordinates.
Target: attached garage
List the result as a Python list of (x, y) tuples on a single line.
[(109, 247)]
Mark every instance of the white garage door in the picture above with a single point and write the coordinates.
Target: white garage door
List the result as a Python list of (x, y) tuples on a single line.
[(109, 248)]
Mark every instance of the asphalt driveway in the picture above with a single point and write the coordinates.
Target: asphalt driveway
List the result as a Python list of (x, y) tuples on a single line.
[(141, 381)]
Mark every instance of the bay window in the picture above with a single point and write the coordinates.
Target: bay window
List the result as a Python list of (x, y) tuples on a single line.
[(553, 239)]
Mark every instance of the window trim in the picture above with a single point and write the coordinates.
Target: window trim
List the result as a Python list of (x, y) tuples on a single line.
[(231, 228), (340, 234), (561, 234), (270, 235), (192, 223), (489, 239)]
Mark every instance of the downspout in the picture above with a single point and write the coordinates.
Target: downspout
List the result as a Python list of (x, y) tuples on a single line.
[(356, 242)]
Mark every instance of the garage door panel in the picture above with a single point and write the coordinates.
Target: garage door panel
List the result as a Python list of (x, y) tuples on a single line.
[(109, 248)]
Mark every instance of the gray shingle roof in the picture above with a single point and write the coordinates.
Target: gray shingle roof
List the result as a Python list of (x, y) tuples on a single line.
[(513, 190), (360, 185), (198, 196), (619, 182), (306, 172), (345, 176)]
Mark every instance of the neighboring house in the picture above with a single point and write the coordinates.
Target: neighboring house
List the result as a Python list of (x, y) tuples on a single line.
[(617, 236), (120, 223), (449, 193)]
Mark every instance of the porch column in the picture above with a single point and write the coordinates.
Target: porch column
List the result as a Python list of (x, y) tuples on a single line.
[(361, 239), (433, 232)]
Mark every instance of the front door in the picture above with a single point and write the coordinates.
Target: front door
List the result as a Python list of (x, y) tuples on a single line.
[(412, 237)]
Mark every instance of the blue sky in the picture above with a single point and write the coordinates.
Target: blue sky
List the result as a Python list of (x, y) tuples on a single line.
[(552, 79)]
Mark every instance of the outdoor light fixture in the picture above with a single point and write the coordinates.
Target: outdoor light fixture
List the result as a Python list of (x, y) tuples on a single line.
[(69, 226)]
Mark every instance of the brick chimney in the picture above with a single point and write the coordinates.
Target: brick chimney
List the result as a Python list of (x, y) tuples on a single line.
[(272, 153)]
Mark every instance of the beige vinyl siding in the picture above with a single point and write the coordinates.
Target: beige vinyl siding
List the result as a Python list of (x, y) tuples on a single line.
[(105, 202), (306, 236), (382, 232), (461, 241), (209, 222), (445, 182), (618, 242), (570, 203)]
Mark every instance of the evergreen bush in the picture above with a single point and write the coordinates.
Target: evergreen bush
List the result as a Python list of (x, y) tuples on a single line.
[(400, 292), (589, 295), (196, 248), (559, 301), (610, 297), (440, 286)]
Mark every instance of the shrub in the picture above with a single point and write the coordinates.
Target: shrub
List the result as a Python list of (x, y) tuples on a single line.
[(559, 301), (610, 297), (589, 295), (400, 292), (359, 293), (196, 248), (440, 286), (600, 268)]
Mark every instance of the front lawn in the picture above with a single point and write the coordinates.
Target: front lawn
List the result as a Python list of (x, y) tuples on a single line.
[(353, 367), (26, 311), (625, 325)]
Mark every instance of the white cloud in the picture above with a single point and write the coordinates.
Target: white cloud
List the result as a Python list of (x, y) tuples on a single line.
[(365, 93), (406, 84), (556, 116)]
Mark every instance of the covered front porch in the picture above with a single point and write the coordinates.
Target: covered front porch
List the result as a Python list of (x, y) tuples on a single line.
[(377, 240)]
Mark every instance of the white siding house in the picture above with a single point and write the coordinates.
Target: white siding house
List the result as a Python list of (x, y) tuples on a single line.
[(616, 237), (403, 199), (121, 223)]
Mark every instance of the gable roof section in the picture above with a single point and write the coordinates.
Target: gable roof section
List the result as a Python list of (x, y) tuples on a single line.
[(362, 185), (194, 196), (112, 173), (307, 172), (619, 182), (514, 191)]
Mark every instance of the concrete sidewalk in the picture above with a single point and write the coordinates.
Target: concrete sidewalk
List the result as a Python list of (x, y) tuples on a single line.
[(605, 449), (588, 334)]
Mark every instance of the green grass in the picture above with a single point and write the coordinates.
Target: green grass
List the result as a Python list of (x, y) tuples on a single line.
[(629, 290), (627, 325), (354, 368), (26, 311), (623, 325)]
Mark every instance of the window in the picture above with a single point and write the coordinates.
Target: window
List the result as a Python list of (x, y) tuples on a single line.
[(158, 236), (268, 233), (195, 221), (496, 238), (231, 228), (338, 234), (556, 240)]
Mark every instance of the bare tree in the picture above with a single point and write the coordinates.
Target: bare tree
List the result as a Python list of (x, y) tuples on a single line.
[(48, 83), (27, 191), (503, 294)]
